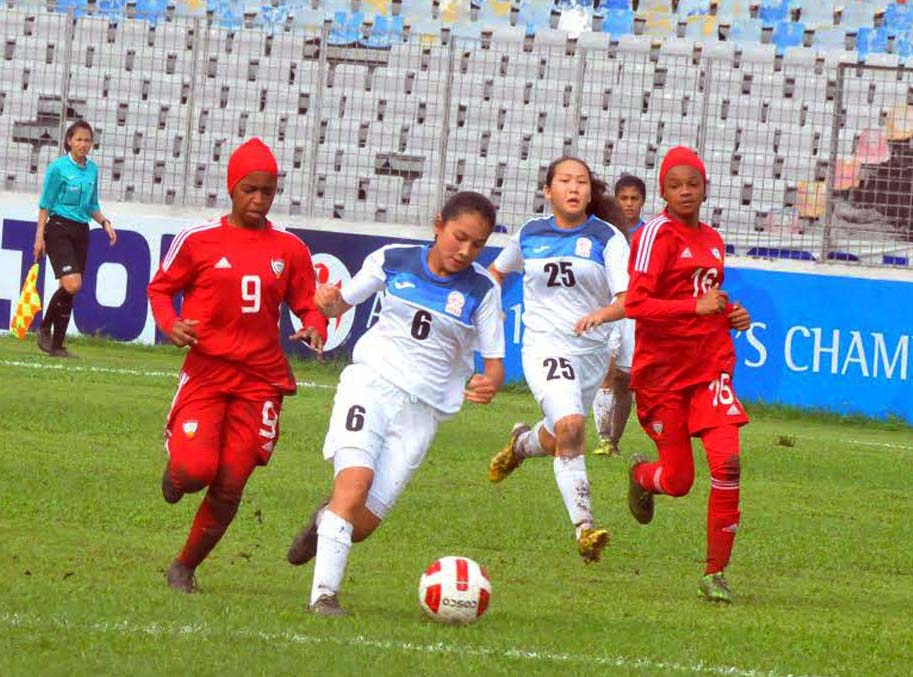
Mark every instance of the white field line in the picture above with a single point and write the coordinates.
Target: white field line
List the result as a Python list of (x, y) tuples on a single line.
[(303, 384), (886, 445), (167, 629), (119, 371)]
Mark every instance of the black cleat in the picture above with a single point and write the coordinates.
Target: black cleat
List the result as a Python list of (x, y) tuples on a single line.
[(181, 578), (640, 501), (44, 340), (304, 547)]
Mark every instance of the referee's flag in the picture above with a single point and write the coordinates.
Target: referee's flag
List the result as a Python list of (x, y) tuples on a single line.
[(28, 306)]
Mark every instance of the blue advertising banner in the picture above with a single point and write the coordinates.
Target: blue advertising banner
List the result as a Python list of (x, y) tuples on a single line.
[(816, 341)]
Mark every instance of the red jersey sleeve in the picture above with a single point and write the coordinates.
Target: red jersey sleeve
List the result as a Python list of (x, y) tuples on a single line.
[(176, 272), (652, 251), (300, 293)]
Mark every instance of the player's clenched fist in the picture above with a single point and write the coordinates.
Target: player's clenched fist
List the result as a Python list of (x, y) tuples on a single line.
[(712, 302), (183, 332), (739, 319), (328, 300), (481, 389)]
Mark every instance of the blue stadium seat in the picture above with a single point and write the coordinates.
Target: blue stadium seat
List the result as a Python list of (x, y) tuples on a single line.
[(841, 256), (894, 260), (898, 18), (78, 6), (345, 29), (151, 10), (381, 34), (615, 4), (871, 41), (781, 253), (618, 22), (903, 46), (772, 12), (730, 249), (787, 34)]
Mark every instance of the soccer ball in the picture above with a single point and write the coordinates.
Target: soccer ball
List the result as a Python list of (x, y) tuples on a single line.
[(454, 590)]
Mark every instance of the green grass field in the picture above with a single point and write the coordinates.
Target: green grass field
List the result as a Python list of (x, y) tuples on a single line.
[(822, 569)]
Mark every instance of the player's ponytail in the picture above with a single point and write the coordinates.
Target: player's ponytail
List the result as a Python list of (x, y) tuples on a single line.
[(602, 205), (471, 202)]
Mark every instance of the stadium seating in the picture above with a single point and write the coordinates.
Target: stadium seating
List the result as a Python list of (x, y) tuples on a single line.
[(412, 100)]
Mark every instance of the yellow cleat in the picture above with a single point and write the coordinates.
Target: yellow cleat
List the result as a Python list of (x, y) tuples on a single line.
[(604, 448), (591, 544), (506, 460)]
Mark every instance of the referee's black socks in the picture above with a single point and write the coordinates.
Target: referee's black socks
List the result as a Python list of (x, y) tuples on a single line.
[(57, 316)]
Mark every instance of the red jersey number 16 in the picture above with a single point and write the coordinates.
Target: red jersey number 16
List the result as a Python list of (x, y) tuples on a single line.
[(704, 279), (250, 294)]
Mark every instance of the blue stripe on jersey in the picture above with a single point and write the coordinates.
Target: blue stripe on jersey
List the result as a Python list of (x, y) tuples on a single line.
[(409, 278), (542, 239)]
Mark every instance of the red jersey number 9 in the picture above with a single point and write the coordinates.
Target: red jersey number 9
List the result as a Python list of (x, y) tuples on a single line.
[(704, 279), (250, 294)]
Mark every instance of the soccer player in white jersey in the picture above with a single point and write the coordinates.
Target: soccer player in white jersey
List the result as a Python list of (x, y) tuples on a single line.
[(574, 266), (612, 404), (409, 372)]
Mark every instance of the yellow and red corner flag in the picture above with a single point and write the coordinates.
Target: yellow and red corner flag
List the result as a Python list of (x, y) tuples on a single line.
[(28, 306)]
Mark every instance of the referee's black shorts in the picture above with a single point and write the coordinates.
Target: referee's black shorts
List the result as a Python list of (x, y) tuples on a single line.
[(67, 245)]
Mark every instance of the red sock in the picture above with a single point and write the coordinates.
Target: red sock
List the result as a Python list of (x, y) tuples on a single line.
[(210, 523), (722, 446), (217, 510), (646, 476)]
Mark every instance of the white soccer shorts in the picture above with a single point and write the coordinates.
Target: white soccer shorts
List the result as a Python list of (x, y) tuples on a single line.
[(377, 425), (564, 385), (621, 343)]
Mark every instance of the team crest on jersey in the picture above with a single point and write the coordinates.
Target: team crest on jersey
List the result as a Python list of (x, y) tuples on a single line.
[(278, 265), (455, 303), (190, 428), (657, 427), (716, 254), (583, 247)]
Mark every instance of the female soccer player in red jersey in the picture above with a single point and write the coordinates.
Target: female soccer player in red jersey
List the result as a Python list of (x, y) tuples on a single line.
[(235, 271), (684, 359)]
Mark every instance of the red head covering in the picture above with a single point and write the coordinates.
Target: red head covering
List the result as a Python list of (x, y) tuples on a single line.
[(251, 156), (680, 155)]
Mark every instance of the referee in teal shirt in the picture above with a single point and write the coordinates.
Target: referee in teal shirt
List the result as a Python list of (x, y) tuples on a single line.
[(69, 199)]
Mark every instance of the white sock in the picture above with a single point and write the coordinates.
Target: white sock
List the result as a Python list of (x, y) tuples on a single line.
[(334, 539), (570, 474), (603, 406), (528, 444)]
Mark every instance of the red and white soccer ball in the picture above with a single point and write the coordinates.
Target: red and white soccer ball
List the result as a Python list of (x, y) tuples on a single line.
[(454, 590)]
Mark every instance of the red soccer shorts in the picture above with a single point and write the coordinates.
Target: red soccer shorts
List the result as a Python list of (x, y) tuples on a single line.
[(219, 416), (691, 411)]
